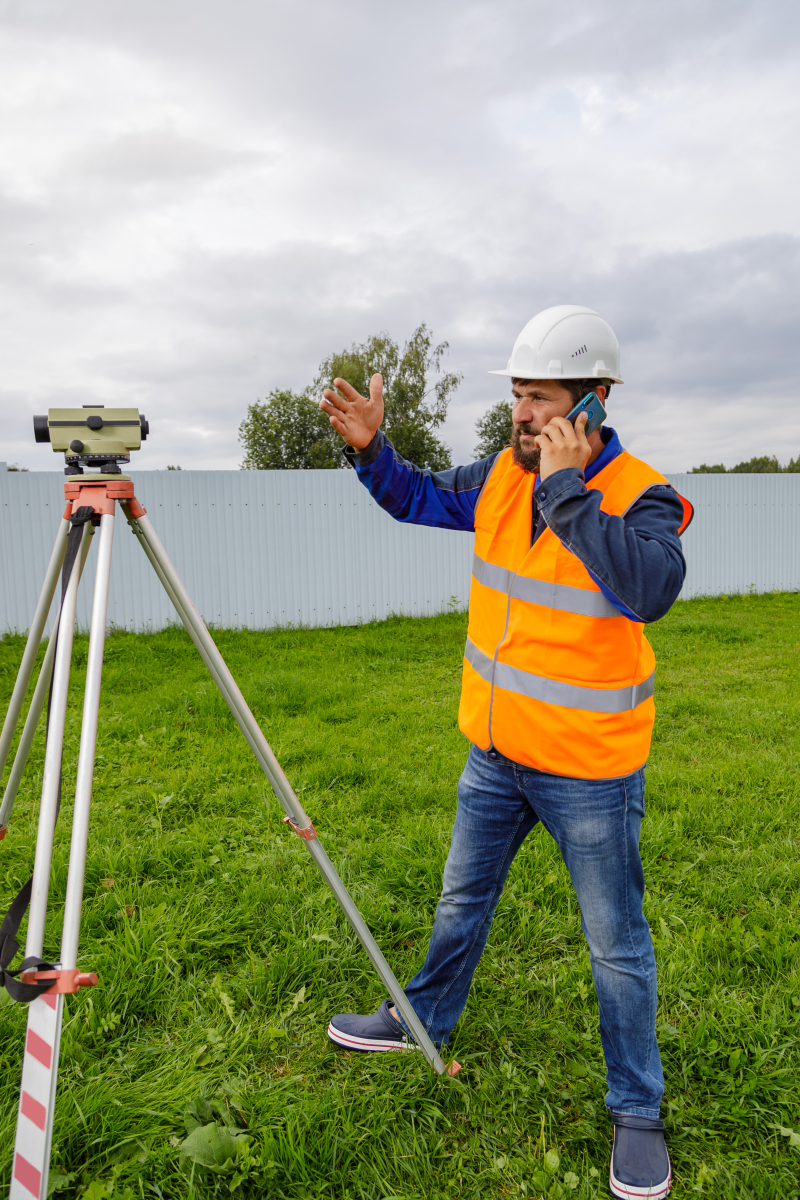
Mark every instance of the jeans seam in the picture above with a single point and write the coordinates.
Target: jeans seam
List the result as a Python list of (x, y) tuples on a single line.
[(470, 948), (628, 930), (631, 942)]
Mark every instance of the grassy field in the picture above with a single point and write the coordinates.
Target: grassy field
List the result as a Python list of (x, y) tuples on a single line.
[(200, 1065)]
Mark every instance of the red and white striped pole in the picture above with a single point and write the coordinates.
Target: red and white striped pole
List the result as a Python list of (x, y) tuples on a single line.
[(37, 1099)]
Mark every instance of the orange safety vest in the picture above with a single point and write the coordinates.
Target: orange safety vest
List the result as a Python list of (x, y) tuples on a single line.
[(555, 678)]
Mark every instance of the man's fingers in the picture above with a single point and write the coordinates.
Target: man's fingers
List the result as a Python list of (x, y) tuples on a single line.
[(347, 390), (376, 388), (560, 432), (580, 425), (547, 436), (561, 425), (338, 424), (333, 401)]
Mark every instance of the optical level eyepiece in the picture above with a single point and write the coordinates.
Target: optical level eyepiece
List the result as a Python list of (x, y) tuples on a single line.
[(41, 431)]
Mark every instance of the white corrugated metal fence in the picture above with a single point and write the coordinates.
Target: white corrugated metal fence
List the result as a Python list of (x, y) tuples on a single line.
[(265, 548)]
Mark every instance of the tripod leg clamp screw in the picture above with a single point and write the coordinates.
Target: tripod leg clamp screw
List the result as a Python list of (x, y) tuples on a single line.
[(64, 981), (308, 834)]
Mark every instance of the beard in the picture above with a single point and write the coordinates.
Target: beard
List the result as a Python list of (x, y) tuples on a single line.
[(528, 460)]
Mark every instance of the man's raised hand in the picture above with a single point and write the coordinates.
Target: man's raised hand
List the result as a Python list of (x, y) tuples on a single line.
[(355, 417)]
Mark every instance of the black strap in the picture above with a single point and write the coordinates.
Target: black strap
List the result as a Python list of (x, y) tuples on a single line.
[(17, 990)]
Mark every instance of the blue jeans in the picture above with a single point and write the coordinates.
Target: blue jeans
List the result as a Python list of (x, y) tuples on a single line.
[(596, 824)]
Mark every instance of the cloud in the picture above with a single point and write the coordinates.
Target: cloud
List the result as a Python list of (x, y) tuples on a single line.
[(198, 204)]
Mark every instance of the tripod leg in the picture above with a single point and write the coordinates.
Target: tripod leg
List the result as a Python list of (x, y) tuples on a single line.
[(280, 784), (40, 1059), (32, 719), (52, 771), (32, 644), (86, 755)]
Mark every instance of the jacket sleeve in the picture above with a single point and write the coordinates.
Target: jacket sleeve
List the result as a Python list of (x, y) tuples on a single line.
[(636, 560), (444, 499)]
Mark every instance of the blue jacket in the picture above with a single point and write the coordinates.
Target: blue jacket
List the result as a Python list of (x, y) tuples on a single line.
[(635, 560)]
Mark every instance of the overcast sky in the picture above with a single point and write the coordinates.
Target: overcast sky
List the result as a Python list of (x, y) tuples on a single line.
[(201, 201)]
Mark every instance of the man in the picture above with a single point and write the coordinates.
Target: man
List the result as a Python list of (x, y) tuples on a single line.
[(576, 548)]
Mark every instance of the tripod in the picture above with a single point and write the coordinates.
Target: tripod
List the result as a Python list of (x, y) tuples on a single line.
[(91, 503)]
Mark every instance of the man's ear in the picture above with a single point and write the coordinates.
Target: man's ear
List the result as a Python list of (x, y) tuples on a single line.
[(602, 392)]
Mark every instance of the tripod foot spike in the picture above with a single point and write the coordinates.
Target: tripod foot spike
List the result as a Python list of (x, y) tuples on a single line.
[(3, 832)]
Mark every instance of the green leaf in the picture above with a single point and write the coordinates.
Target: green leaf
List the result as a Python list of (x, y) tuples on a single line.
[(98, 1190), (299, 998), (551, 1161), (199, 1112), (58, 1181), (213, 1146), (794, 1138), (571, 1180)]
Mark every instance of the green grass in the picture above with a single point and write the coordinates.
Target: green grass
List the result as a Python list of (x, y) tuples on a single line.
[(221, 954)]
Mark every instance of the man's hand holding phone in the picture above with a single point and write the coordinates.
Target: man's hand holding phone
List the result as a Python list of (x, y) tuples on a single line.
[(563, 445), (357, 418), (564, 440)]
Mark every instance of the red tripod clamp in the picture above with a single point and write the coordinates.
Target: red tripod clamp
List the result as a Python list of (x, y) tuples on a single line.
[(307, 834), (66, 980)]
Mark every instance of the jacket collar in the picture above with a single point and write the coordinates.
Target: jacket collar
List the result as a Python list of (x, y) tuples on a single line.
[(612, 448)]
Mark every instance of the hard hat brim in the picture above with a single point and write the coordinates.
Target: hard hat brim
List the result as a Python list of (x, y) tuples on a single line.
[(555, 378)]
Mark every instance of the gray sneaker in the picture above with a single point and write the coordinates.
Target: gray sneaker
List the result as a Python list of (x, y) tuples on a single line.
[(639, 1161), (377, 1031)]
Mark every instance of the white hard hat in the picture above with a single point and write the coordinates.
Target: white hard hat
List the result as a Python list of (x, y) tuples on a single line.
[(565, 342)]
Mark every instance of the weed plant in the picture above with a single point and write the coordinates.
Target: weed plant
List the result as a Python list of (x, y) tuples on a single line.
[(200, 1066)]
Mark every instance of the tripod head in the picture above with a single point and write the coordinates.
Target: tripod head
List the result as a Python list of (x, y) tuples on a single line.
[(93, 435)]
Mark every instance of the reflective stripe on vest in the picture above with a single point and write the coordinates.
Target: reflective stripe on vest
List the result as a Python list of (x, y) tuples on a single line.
[(537, 591), (553, 691)]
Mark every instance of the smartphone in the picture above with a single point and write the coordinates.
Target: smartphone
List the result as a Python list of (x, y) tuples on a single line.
[(593, 407)]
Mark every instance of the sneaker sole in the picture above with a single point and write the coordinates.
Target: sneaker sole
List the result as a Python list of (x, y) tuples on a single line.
[(626, 1191), (381, 1045)]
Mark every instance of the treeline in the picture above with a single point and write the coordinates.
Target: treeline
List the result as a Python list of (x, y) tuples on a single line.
[(765, 465), (288, 431)]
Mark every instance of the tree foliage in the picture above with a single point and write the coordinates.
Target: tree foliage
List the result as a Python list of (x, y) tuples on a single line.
[(288, 431), (494, 429), (765, 464), (413, 407)]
